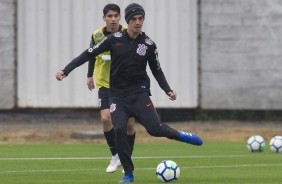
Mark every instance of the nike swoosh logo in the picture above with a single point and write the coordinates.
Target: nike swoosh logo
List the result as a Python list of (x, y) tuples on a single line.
[(119, 44)]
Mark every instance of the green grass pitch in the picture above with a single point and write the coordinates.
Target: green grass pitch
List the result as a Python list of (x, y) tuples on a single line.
[(212, 163)]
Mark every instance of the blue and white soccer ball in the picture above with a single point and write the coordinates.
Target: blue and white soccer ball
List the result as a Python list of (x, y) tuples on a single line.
[(167, 171), (256, 143), (276, 144)]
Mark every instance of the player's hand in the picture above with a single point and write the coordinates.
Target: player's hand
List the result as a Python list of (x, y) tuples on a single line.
[(60, 75), (172, 95), (90, 83)]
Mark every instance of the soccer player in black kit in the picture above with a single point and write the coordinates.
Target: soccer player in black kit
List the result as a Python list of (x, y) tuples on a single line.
[(131, 51)]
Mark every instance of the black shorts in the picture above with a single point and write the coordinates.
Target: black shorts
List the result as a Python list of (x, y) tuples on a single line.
[(138, 105), (103, 95)]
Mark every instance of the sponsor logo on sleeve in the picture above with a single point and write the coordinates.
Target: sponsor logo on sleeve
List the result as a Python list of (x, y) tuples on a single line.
[(149, 41), (157, 59), (97, 45), (98, 35)]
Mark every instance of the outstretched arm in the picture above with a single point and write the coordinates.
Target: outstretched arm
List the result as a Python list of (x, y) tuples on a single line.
[(76, 62), (87, 55)]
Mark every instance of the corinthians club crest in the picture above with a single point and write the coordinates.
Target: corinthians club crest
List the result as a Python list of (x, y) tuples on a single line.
[(141, 50)]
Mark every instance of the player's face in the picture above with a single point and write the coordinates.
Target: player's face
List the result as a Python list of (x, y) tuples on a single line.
[(135, 24), (112, 19)]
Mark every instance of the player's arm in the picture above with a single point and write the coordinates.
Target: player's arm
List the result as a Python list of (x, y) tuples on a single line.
[(76, 62), (87, 55), (90, 72), (157, 72)]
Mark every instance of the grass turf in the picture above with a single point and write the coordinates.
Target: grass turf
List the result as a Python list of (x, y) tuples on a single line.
[(214, 162)]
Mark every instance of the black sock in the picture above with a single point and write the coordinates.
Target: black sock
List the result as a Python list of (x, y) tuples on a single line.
[(110, 137), (131, 140)]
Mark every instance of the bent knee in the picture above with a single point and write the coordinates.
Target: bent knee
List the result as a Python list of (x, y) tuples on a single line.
[(106, 118), (107, 123), (154, 132), (131, 126), (120, 131)]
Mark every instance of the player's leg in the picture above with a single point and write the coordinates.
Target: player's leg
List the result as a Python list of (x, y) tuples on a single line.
[(110, 138), (131, 132), (147, 116), (108, 129), (120, 117)]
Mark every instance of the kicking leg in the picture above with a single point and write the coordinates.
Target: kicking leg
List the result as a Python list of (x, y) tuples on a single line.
[(147, 116)]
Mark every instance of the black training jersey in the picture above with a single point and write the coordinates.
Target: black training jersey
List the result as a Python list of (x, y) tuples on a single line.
[(129, 61)]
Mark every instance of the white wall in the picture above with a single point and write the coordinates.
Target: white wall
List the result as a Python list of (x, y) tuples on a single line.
[(7, 55), (241, 54), (52, 32)]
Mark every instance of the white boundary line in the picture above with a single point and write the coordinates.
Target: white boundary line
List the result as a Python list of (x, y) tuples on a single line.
[(233, 166), (192, 167), (106, 158), (151, 157)]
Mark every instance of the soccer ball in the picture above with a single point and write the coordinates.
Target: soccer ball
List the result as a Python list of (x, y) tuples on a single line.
[(168, 171), (276, 144), (255, 143)]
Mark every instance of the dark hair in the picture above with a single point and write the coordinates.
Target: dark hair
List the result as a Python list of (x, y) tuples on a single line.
[(112, 7)]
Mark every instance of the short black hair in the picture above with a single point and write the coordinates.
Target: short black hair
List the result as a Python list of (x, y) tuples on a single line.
[(112, 7)]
